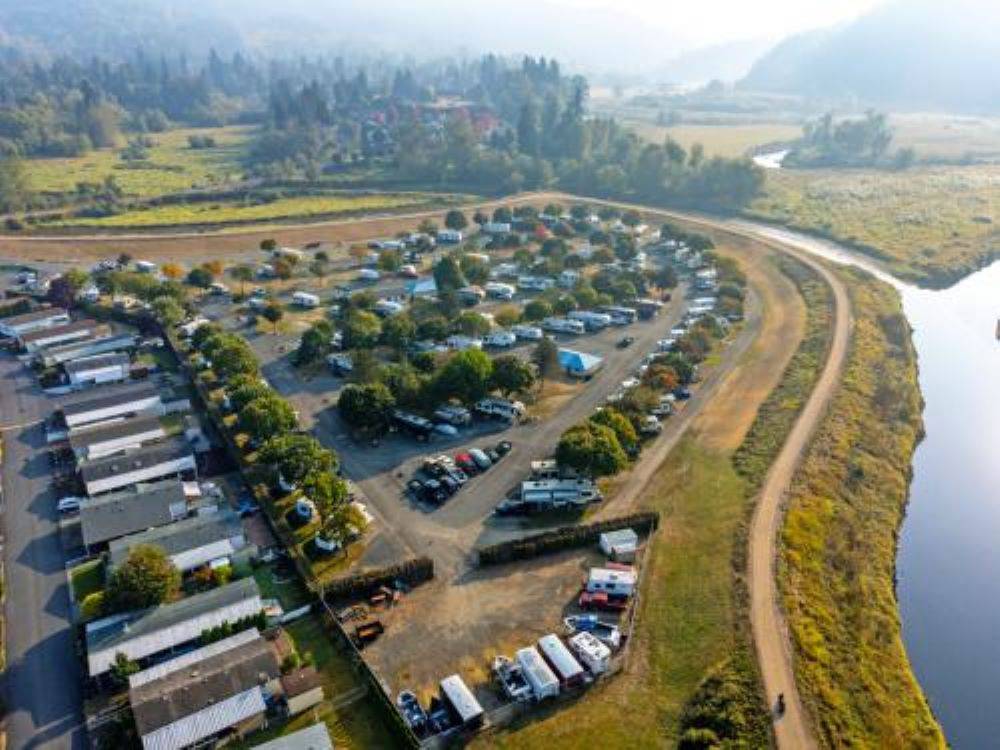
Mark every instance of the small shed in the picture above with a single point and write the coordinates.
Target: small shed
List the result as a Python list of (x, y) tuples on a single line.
[(620, 545), (462, 702), (302, 689), (563, 663), (593, 654), (543, 681)]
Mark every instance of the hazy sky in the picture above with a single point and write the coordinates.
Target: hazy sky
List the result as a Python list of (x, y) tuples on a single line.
[(712, 21)]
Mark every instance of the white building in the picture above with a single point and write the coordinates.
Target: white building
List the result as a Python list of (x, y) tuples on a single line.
[(101, 368), (170, 458), (47, 317), (122, 401), (97, 441)]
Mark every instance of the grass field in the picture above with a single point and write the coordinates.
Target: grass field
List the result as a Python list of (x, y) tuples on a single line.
[(930, 225), (718, 140), (939, 136), (206, 213), (837, 563), (171, 167)]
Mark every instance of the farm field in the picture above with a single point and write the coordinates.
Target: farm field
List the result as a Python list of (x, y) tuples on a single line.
[(208, 213), (172, 165), (930, 225), (718, 140), (939, 136)]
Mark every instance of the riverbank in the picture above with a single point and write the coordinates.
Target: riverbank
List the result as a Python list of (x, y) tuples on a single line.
[(837, 561), (930, 226)]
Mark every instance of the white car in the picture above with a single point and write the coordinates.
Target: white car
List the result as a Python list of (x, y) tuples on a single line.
[(69, 505), (443, 428)]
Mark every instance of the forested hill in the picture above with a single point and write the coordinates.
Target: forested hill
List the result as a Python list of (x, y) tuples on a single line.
[(943, 56)]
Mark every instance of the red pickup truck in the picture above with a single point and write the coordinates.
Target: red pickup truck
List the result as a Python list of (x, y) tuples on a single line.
[(602, 601)]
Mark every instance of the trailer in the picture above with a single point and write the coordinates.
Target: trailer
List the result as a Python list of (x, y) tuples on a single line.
[(620, 545), (593, 654), (563, 663), (543, 681), (620, 316), (304, 299), (592, 321), (463, 705), (367, 632), (620, 583)]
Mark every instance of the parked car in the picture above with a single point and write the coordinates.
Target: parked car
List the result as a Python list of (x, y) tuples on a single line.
[(503, 447), (448, 430), (451, 486), (625, 342), (413, 713), (433, 468), (492, 455), (69, 505), (601, 601), (467, 463), (481, 460), (434, 492)]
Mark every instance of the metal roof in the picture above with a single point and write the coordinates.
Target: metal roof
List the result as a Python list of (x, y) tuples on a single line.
[(578, 361), (155, 630), (144, 458), (184, 692), (94, 344), (207, 722), (119, 513), (461, 698), (124, 394), (32, 316), (315, 737), (56, 331), (184, 536), (192, 657), (559, 657), (105, 433), (97, 362)]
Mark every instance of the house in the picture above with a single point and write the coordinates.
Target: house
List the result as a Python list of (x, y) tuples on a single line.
[(169, 458), (91, 442), (35, 341), (579, 364), (111, 403), (88, 347), (611, 582), (142, 507), (160, 630), (102, 368), (225, 691), (313, 737), (620, 545), (209, 539), (36, 320), (302, 689)]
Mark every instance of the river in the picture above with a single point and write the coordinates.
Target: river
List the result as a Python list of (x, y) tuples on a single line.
[(948, 564)]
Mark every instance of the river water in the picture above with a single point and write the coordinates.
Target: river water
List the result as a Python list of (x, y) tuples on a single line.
[(948, 563)]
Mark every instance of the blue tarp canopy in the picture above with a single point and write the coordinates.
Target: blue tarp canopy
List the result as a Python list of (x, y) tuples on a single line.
[(579, 363)]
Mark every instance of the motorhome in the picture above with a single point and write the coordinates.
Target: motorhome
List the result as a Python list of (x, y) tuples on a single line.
[(621, 316), (557, 493), (387, 307), (593, 654), (612, 582), (592, 321), (368, 275), (461, 343), (497, 290), (564, 325), (471, 295), (304, 299), (535, 283), (501, 339), (527, 333), (500, 407)]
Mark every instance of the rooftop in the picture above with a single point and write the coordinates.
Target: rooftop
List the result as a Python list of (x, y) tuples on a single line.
[(80, 439), (28, 317), (315, 737), (187, 691), (176, 538), (192, 658), (97, 362), (109, 397), (119, 513), (47, 333), (300, 681), (153, 455)]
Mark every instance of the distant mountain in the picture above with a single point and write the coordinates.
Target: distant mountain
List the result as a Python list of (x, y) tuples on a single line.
[(934, 54), (726, 62)]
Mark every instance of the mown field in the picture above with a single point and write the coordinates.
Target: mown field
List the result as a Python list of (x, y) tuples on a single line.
[(172, 166), (718, 140), (929, 225), (234, 212), (837, 562)]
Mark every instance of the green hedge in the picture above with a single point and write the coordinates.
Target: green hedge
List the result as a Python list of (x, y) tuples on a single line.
[(563, 538), (413, 571)]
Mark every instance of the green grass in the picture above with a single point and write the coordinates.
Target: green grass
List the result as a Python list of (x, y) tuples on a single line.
[(718, 140), (162, 358), (87, 578), (172, 166), (837, 562), (237, 212), (687, 621), (931, 225), (290, 593)]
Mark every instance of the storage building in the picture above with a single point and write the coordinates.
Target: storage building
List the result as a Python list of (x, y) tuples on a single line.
[(543, 681), (563, 663), (160, 630), (172, 457)]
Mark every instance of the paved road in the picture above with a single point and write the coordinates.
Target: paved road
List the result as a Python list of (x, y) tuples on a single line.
[(42, 680)]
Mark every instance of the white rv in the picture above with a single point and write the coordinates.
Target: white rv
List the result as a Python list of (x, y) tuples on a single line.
[(304, 299), (564, 325), (543, 681)]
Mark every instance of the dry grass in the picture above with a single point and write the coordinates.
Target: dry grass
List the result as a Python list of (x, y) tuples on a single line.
[(718, 140)]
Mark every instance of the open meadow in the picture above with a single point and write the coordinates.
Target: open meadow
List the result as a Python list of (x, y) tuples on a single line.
[(930, 225), (718, 140)]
